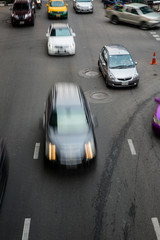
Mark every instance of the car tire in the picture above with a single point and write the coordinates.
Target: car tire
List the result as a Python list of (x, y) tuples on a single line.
[(106, 80), (99, 66), (144, 26), (32, 23), (114, 20)]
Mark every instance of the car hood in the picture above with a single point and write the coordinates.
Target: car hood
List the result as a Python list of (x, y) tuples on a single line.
[(58, 9), (61, 41), (21, 12), (123, 73), (152, 15), (84, 4)]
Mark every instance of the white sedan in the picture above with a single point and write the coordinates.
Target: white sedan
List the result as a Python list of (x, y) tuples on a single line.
[(60, 39)]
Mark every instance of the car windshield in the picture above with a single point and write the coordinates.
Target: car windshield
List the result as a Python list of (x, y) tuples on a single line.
[(121, 61), (57, 4), (60, 32), (69, 120), (146, 10), (21, 6)]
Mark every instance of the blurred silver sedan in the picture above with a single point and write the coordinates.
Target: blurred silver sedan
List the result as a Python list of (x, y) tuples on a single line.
[(118, 67)]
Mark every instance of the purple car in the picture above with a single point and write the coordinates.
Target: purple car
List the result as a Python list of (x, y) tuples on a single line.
[(156, 117)]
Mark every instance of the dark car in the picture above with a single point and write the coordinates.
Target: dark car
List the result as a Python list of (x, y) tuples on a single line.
[(23, 12), (69, 135), (3, 168)]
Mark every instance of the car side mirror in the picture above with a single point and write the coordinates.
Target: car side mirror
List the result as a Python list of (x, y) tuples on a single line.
[(103, 64), (47, 35), (157, 100), (66, 4), (135, 63), (73, 34), (47, 5)]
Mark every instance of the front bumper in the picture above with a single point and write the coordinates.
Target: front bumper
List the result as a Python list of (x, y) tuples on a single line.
[(84, 10), (65, 51), (21, 21), (123, 83), (57, 14)]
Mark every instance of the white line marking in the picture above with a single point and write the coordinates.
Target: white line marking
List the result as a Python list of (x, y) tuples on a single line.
[(36, 151), (156, 36), (156, 227), (152, 32), (131, 147), (158, 39), (26, 228)]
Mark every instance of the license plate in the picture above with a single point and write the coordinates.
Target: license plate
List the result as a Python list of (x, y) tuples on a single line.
[(124, 83), (58, 15), (21, 22)]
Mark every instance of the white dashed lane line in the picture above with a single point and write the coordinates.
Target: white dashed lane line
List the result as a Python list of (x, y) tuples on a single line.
[(131, 146), (36, 151), (156, 227), (155, 35), (26, 228)]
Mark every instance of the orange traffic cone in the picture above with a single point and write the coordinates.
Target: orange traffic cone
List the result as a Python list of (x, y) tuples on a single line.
[(154, 59)]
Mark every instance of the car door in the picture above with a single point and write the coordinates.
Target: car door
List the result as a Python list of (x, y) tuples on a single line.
[(104, 62), (126, 17)]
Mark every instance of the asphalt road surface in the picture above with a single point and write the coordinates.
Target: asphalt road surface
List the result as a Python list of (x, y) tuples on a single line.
[(118, 197)]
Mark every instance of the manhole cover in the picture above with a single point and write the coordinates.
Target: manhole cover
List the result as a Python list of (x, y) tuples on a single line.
[(98, 96), (89, 73)]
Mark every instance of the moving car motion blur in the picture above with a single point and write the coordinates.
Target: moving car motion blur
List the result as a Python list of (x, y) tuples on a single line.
[(117, 66), (3, 168), (68, 125), (134, 13), (83, 6), (57, 9), (60, 39), (156, 118), (23, 12)]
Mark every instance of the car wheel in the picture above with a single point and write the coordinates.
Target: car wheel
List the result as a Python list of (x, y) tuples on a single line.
[(106, 80), (144, 26), (114, 20), (99, 66), (48, 16), (32, 23)]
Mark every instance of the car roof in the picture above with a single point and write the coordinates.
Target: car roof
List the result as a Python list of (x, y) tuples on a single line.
[(67, 94), (116, 49), (136, 5), (59, 25)]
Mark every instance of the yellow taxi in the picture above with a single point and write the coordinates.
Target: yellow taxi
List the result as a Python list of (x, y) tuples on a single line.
[(57, 9)]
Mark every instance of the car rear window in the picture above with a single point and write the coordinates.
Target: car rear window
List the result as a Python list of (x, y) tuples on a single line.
[(60, 32), (21, 6)]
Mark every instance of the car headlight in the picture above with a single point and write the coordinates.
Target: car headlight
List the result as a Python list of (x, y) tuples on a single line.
[(50, 45), (28, 15), (89, 149), (156, 120), (52, 151), (15, 16), (112, 77)]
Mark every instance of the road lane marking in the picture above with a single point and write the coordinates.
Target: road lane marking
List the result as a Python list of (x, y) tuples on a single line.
[(36, 151), (156, 227), (133, 151), (156, 36), (26, 228), (158, 39), (152, 33)]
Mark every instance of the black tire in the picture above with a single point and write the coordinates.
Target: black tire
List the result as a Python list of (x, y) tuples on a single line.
[(114, 20), (144, 26), (106, 80), (99, 66)]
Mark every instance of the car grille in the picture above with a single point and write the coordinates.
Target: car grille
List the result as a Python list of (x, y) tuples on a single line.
[(124, 79)]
